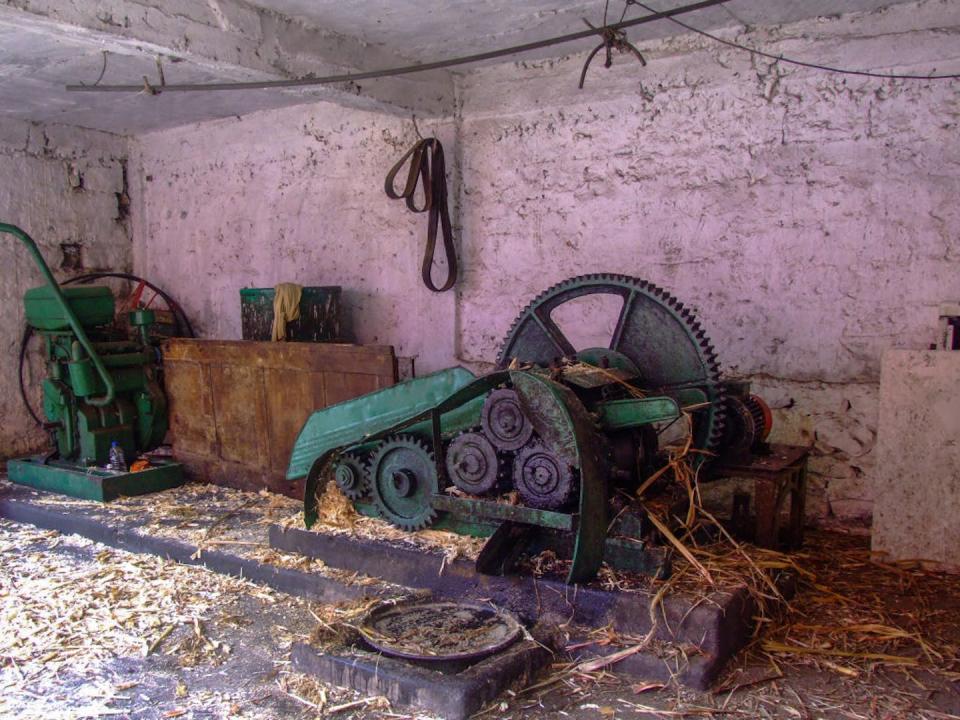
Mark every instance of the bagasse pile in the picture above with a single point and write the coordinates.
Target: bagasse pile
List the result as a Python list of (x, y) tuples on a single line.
[(853, 618), (337, 515), (124, 605), (87, 630)]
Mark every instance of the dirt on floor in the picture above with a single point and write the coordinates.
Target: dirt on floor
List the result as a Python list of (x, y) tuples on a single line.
[(89, 631)]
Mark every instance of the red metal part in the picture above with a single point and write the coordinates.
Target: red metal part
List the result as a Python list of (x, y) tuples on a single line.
[(759, 402)]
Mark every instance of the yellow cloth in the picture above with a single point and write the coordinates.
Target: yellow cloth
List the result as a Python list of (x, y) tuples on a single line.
[(286, 308)]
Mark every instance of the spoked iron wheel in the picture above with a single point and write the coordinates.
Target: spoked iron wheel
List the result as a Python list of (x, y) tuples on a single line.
[(652, 330)]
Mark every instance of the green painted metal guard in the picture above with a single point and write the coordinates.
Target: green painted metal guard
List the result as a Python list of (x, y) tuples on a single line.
[(105, 377), (353, 421), (565, 425), (634, 412)]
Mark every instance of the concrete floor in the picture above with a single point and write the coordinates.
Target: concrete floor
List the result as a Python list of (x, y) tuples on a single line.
[(90, 631), (235, 671)]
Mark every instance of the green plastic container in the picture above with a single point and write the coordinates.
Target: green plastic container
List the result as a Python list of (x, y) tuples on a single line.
[(319, 315)]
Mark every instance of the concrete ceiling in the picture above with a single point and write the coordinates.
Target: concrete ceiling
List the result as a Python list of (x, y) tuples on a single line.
[(46, 44), (421, 31)]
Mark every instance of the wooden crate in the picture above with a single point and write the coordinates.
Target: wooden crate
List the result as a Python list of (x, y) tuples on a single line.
[(236, 406)]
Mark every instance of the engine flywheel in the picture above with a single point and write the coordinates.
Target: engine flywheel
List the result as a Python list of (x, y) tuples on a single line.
[(472, 463), (652, 329), (402, 477)]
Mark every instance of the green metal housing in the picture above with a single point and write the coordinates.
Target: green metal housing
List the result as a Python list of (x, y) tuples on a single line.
[(100, 388), (92, 305)]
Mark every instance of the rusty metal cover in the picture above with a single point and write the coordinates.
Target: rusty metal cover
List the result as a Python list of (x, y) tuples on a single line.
[(439, 631)]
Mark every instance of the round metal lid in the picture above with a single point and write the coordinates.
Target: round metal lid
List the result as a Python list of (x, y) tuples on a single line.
[(439, 631)]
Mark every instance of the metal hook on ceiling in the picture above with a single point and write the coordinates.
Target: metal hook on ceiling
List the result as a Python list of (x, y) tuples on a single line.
[(613, 39), (416, 129)]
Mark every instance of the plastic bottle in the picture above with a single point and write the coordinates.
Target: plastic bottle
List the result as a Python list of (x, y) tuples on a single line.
[(117, 462)]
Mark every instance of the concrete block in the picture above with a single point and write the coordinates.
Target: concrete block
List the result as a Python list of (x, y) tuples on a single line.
[(917, 506)]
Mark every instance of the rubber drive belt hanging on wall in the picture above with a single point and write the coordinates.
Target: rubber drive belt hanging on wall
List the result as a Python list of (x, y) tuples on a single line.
[(427, 166)]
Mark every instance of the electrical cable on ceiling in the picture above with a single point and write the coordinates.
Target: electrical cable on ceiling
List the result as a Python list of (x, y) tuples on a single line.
[(612, 40), (407, 69), (791, 61)]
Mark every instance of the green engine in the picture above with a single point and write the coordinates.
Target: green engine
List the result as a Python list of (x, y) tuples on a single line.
[(102, 387), (85, 416)]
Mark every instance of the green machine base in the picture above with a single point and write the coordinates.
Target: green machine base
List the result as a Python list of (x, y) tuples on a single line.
[(92, 483)]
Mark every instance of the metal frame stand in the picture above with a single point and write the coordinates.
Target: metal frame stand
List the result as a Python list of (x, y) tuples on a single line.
[(775, 476)]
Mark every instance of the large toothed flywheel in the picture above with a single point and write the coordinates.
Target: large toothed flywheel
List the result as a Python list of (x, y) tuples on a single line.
[(652, 330)]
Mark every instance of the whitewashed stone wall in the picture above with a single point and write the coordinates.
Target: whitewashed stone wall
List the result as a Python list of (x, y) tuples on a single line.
[(811, 219), (61, 185), (293, 195)]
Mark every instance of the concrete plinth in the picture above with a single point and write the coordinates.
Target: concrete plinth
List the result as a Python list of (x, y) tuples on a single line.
[(917, 511)]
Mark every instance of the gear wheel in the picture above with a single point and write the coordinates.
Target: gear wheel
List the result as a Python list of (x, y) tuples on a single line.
[(740, 429), (543, 480), (762, 416), (472, 463), (350, 477), (503, 420), (402, 477), (653, 330)]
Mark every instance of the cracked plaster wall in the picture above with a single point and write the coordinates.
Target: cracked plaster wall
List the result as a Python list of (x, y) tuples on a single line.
[(292, 195), (810, 219), (61, 186)]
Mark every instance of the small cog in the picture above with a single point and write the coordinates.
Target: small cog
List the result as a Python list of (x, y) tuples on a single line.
[(503, 420), (472, 463), (349, 474)]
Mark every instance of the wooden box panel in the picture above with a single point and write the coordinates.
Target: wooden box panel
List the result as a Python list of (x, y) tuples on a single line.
[(291, 395), (239, 408), (192, 413), (236, 407)]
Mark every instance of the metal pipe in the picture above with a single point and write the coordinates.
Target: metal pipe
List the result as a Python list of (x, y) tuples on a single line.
[(72, 320), (405, 70)]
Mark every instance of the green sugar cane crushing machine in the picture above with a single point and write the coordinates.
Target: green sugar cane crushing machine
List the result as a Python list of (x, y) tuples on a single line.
[(100, 389), (540, 454)]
